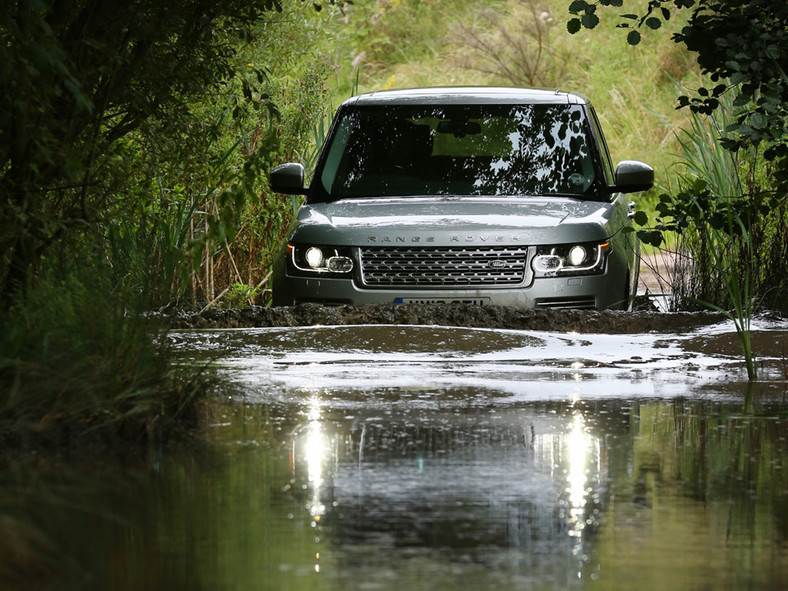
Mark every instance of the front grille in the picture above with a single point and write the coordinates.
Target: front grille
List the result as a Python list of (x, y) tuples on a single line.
[(582, 302), (443, 267)]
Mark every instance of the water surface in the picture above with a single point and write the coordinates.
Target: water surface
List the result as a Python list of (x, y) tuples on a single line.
[(401, 457)]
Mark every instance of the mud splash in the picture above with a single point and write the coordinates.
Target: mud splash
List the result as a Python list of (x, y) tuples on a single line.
[(460, 315)]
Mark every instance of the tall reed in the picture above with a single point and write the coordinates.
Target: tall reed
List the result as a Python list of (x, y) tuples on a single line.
[(727, 249), (713, 216), (76, 362)]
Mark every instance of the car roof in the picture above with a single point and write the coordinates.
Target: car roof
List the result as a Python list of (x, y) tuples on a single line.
[(468, 95)]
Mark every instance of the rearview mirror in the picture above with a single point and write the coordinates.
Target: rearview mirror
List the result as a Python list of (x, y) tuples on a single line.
[(459, 128), (288, 179), (633, 176)]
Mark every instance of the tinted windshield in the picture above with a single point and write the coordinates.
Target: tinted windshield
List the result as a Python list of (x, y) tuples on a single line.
[(458, 150)]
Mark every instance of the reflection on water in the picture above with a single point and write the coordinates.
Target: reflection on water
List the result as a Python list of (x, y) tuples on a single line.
[(443, 466), (577, 444), (314, 450)]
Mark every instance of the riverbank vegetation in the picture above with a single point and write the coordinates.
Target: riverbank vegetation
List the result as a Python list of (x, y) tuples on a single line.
[(135, 144)]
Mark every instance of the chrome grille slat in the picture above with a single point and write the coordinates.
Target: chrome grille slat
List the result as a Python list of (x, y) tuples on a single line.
[(443, 266), (580, 302)]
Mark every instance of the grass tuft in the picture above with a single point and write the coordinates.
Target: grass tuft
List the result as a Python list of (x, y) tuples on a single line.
[(76, 364)]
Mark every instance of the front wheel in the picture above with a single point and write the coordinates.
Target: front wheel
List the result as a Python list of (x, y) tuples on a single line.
[(628, 300)]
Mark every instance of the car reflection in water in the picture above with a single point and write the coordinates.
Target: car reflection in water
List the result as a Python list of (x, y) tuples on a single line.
[(442, 458), (484, 487)]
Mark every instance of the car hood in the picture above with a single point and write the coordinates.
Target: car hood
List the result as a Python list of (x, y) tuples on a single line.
[(452, 220)]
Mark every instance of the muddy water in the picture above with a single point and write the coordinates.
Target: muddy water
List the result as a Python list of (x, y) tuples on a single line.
[(412, 457)]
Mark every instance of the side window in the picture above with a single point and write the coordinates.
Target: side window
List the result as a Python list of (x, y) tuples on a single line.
[(607, 163)]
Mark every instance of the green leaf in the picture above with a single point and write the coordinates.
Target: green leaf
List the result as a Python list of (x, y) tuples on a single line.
[(653, 23), (578, 6), (699, 186), (758, 120), (737, 78), (633, 38), (651, 237), (640, 218), (573, 26), (741, 100), (590, 20)]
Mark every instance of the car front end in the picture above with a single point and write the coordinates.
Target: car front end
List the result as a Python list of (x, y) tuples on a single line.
[(480, 196), (525, 253)]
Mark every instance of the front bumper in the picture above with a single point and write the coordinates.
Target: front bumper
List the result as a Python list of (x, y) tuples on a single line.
[(604, 291)]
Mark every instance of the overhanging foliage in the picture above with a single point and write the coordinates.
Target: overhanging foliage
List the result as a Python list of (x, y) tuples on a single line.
[(78, 76), (738, 43)]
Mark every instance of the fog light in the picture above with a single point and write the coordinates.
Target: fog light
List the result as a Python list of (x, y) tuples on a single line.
[(339, 264), (547, 263), (314, 257), (577, 254)]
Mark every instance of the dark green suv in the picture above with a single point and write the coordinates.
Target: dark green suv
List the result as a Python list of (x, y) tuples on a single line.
[(481, 195)]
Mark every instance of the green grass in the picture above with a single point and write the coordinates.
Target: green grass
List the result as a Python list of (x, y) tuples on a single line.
[(77, 365)]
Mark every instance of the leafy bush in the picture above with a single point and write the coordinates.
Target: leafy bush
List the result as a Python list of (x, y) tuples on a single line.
[(136, 146), (78, 81), (722, 204)]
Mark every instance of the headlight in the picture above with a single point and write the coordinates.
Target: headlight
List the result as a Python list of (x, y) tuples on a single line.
[(570, 259), (314, 258), (320, 259)]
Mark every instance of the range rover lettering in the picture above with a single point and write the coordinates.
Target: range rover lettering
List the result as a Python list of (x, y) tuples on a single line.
[(483, 195)]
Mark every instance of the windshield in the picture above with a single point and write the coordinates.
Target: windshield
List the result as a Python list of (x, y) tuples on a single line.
[(395, 150)]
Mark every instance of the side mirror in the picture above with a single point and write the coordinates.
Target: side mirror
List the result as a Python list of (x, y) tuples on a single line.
[(633, 176), (288, 179)]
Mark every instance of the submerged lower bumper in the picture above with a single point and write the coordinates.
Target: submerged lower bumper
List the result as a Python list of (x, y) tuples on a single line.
[(597, 292)]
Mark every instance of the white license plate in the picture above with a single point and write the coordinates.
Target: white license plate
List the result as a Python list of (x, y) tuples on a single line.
[(471, 301)]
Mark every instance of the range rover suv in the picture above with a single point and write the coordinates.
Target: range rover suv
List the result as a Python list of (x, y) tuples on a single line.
[(479, 195)]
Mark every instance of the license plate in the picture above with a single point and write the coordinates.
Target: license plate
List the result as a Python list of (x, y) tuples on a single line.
[(470, 301)]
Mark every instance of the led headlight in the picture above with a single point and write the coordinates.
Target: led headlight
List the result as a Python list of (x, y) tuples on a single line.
[(314, 257), (320, 259), (577, 256), (547, 264), (570, 259)]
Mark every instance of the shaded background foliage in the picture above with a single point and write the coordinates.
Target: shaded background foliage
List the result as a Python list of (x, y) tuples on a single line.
[(81, 76), (133, 143)]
